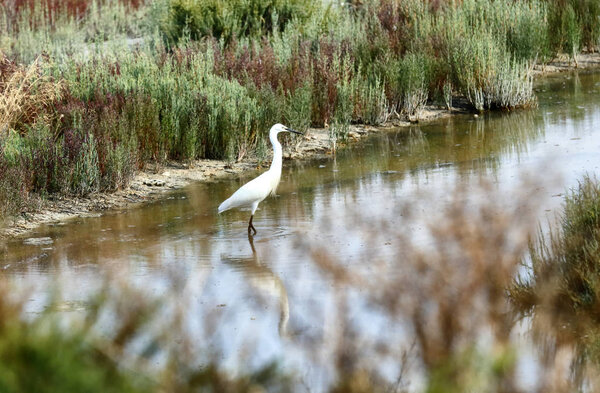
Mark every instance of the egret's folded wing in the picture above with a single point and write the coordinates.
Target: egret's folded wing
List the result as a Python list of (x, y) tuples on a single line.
[(254, 191)]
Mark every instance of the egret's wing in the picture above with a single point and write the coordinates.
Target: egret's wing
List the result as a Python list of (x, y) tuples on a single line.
[(254, 191)]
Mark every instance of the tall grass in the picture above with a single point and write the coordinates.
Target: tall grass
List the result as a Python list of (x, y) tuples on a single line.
[(27, 95), (563, 273), (571, 249), (573, 25), (135, 81), (65, 29)]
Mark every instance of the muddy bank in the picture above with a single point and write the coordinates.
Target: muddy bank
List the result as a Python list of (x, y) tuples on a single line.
[(564, 63), (153, 183)]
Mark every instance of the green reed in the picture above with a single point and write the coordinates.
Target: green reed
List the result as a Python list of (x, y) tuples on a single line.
[(563, 272)]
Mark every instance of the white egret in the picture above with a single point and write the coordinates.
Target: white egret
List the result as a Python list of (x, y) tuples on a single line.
[(256, 190)]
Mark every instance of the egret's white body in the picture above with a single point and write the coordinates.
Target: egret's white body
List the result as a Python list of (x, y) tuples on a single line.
[(256, 190)]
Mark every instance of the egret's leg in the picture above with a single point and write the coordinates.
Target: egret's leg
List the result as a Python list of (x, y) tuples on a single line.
[(253, 209), (250, 226)]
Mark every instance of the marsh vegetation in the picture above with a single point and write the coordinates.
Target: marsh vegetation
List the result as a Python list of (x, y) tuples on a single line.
[(560, 287), (91, 91)]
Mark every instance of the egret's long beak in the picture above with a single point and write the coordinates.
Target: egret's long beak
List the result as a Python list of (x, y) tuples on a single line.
[(294, 131)]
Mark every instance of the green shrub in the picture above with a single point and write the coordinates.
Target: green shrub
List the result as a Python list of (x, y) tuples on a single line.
[(573, 24), (447, 94), (526, 32), (13, 145), (511, 86), (86, 172), (487, 75), (228, 19), (66, 29), (565, 31), (298, 107), (369, 100), (563, 278), (343, 111), (120, 165), (43, 359), (46, 161), (140, 123), (407, 78), (14, 187), (588, 12)]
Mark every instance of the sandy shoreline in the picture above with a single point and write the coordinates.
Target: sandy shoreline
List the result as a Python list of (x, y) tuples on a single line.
[(150, 185)]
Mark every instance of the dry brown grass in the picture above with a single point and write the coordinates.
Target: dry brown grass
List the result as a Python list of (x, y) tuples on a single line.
[(26, 94)]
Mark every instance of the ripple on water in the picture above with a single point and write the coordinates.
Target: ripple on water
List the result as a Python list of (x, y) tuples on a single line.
[(38, 241)]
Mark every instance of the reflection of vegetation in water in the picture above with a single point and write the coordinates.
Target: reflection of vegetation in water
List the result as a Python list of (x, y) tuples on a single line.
[(469, 143), (568, 99), (562, 287), (510, 134), (458, 145)]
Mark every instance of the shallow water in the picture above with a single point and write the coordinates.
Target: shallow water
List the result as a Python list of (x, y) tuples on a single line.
[(270, 292)]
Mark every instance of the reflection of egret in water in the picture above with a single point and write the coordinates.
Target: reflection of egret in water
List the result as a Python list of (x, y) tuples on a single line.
[(265, 282)]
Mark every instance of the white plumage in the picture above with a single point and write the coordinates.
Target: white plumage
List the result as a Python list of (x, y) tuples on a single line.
[(256, 190)]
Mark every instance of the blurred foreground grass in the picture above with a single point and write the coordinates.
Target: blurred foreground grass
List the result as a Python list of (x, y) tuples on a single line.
[(447, 324)]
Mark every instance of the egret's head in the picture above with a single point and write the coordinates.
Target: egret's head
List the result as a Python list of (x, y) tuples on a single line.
[(277, 128)]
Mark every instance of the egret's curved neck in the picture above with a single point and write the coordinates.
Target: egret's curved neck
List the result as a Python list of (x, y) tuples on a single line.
[(277, 153)]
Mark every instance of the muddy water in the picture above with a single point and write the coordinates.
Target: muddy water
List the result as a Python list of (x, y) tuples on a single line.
[(266, 290)]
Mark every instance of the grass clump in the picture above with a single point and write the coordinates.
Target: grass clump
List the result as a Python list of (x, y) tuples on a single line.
[(411, 76), (65, 29), (26, 94), (572, 251), (563, 279), (370, 103), (573, 25), (14, 188), (487, 58)]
